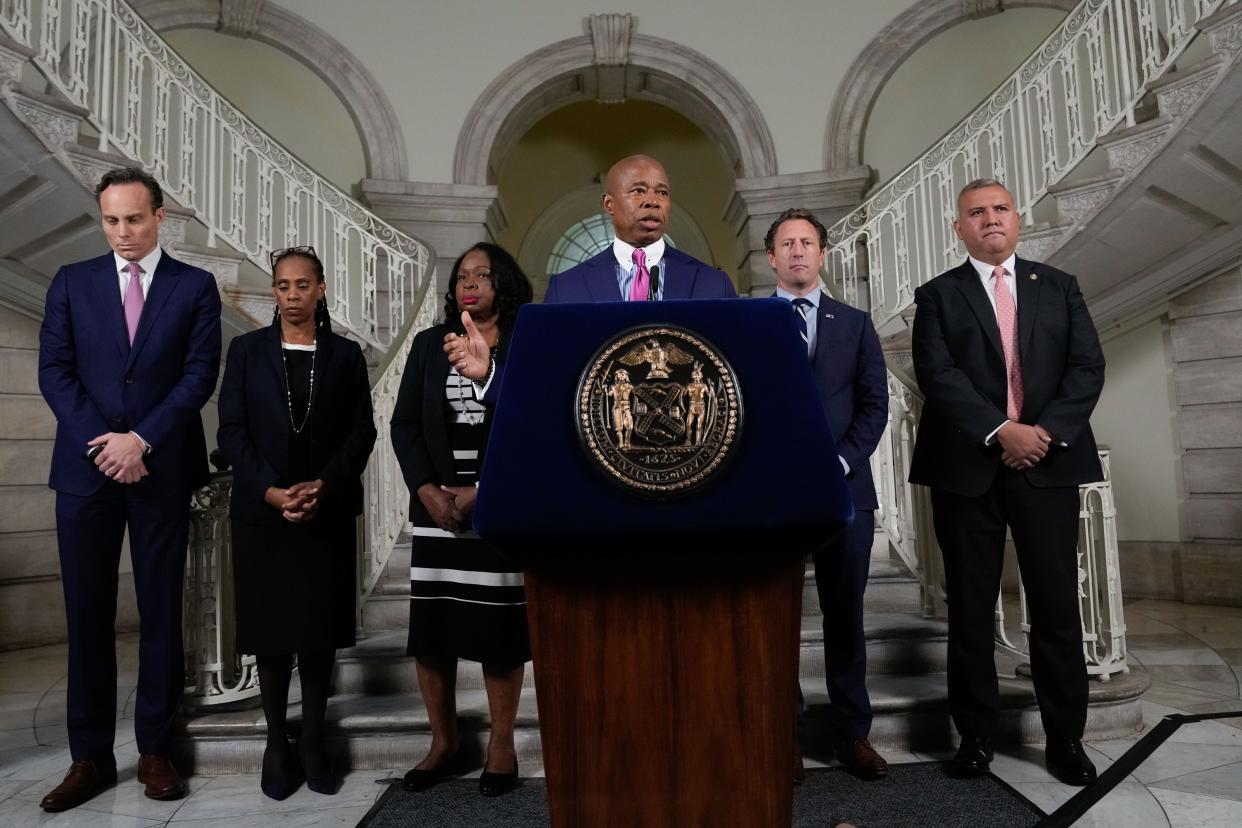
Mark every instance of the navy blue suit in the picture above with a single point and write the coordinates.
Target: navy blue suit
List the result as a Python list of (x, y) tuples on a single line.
[(95, 382), (595, 280), (849, 370)]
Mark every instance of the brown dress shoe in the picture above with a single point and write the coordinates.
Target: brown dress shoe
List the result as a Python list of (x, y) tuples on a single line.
[(861, 759), (160, 777), (84, 780)]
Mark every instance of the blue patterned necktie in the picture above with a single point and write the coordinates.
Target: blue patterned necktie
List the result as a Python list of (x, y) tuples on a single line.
[(803, 307)]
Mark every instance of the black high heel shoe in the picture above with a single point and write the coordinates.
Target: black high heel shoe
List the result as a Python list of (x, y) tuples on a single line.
[(417, 779), (280, 783), (498, 784), (327, 782)]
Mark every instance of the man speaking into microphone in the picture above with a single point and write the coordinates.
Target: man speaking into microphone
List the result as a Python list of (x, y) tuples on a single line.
[(639, 266)]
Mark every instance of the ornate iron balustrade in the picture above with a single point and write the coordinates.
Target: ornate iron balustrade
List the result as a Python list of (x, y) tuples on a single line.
[(905, 518), (1086, 79), (146, 103)]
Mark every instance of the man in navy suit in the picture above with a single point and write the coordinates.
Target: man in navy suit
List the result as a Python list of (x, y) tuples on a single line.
[(638, 265), (1011, 367), (129, 352), (848, 365)]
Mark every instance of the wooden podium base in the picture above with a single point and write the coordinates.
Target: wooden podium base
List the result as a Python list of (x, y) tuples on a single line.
[(667, 691)]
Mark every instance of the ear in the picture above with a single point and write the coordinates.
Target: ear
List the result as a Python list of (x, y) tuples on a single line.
[(607, 202), (159, 216), (957, 227), (772, 260)]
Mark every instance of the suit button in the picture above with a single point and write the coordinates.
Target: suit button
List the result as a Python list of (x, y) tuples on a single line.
[(129, 380)]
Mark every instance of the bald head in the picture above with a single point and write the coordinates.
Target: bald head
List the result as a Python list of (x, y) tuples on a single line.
[(636, 196)]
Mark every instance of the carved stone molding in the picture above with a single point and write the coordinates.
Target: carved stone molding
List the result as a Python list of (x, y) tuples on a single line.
[(254, 304), (383, 143), (90, 164), (239, 18), (55, 122), (879, 59), (1176, 95), (1082, 199), (13, 57), (1039, 245), (1224, 31), (656, 70), (610, 36), (1130, 152), (172, 231)]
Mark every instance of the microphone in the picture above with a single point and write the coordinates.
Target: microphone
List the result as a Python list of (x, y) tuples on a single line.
[(653, 287)]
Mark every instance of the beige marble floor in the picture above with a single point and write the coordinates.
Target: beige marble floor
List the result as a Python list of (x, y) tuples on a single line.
[(1193, 654)]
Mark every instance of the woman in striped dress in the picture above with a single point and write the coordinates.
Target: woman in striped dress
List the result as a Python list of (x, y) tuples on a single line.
[(466, 600)]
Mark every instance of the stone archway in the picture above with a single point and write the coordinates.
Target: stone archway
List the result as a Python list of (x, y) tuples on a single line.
[(611, 63), (880, 58), (383, 144)]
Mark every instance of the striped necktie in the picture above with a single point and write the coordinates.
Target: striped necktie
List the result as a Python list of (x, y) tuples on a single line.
[(803, 307)]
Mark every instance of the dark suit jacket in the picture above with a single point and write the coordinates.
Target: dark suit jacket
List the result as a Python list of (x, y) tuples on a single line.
[(595, 280), (961, 371), (95, 382), (849, 369), (419, 426), (254, 424)]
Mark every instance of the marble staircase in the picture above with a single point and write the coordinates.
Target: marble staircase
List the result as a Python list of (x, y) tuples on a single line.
[(378, 721)]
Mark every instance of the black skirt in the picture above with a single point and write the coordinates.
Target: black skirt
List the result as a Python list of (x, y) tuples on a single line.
[(294, 585), (466, 601)]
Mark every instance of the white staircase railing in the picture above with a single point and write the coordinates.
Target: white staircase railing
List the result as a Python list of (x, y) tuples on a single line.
[(1085, 80), (252, 194)]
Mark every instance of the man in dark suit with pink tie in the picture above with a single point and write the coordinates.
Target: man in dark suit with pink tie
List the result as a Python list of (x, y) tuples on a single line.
[(1010, 364), (129, 352), (638, 265)]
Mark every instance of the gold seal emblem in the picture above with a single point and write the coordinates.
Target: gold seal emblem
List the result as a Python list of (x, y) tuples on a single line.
[(659, 410)]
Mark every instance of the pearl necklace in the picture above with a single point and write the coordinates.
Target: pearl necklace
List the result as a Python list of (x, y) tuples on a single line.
[(310, 396)]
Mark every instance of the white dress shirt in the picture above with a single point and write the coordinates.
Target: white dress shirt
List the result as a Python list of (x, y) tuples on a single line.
[(624, 253)]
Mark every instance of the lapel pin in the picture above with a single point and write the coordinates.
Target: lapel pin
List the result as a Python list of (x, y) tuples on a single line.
[(829, 316), (1034, 277)]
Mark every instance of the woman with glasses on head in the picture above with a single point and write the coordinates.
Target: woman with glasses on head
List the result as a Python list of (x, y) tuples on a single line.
[(296, 426), (466, 599)]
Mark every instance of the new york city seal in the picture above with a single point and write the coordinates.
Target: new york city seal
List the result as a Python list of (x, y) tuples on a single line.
[(659, 410)]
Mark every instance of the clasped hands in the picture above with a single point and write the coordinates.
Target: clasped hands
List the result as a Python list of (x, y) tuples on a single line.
[(121, 458), (1022, 445), (449, 506), (297, 504)]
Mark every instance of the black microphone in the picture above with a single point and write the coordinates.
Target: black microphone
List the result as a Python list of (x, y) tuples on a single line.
[(653, 287)]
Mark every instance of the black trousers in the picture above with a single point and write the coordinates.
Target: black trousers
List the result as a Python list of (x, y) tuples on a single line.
[(971, 532), (841, 579), (89, 532)]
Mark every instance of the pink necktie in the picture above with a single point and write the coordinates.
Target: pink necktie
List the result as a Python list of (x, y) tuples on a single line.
[(642, 278), (1006, 318), (133, 299)]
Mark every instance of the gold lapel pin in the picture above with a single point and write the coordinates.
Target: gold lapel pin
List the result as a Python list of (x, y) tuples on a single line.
[(1034, 277)]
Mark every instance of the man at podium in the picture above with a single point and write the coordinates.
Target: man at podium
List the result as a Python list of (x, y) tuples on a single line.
[(639, 266)]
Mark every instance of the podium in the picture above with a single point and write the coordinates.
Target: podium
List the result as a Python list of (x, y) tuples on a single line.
[(664, 625)]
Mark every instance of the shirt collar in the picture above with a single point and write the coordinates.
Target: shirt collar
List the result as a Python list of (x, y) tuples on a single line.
[(812, 297), (148, 263), (624, 252), (985, 270)]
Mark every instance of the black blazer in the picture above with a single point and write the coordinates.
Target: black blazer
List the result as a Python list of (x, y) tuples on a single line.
[(254, 424), (961, 371), (419, 428)]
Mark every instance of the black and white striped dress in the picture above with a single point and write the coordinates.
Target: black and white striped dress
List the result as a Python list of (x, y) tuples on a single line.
[(466, 599)]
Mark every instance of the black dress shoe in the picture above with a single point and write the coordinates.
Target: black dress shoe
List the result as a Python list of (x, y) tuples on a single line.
[(282, 774), (498, 784), (974, 757), (418, 779), (1068, 762), (324, 781)]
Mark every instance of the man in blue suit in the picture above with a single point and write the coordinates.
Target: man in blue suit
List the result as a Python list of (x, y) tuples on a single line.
[(129, 352), (848, 365), (638, 265)]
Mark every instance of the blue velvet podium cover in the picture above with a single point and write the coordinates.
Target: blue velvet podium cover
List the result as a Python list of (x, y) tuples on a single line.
[(782, 484)]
